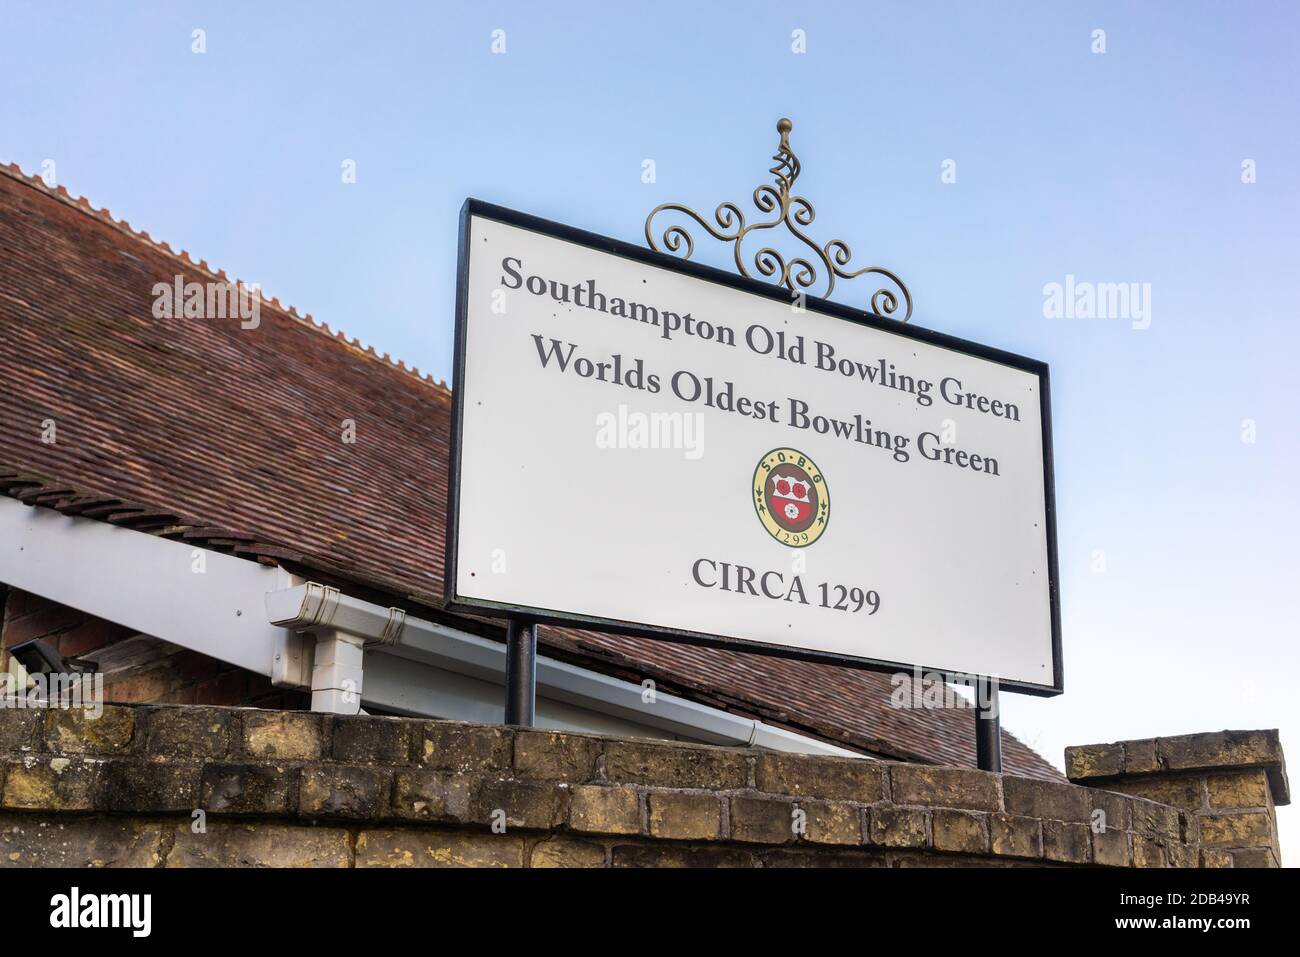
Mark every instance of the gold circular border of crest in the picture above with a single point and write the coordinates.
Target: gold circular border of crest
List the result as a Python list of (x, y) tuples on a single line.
[(803, 461)]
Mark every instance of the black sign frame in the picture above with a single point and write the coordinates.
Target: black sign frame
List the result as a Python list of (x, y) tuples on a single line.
[(467, 605)]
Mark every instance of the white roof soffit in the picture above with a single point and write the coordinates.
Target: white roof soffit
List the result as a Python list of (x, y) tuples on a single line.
[(193, 597)]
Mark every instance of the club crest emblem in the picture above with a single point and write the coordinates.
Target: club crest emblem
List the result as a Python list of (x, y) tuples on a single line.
[(791, 497)]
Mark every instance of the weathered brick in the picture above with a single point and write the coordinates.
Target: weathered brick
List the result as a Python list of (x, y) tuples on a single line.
[(1245, 788), (676, 766), (1012, 836), (899, 827), (808, 857), (1046, 799), (1180, 790), (841, 779), (77, 731), (30, 841), (1156, 820), (599, 809), (685, 817), (385, 847), (452, 746), (832, 822), (761, 820), (248, 789), (1253, 857), (1094, 761), (1064, 841), (90, 635), (563, 851), (427, 795), (153, 684), (944, 787), (46, 783), (1219, 749), (1110, 810), (19, 730), (148, 786), (344, 791), (959, 831), (1112, 847), (1148, 852), (1140, 757), (1215, 857), (551, 756), (240, 844), (1182, 855), (363, 739), (1240, 829), (189, 733), (45, 620), (284, 735), (526, 804), (679, 855)]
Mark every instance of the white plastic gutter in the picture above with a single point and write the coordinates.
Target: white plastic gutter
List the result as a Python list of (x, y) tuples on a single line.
[(331, 616)]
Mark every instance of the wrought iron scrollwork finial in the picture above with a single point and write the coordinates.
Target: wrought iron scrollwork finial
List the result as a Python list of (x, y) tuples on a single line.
[(799, 273)]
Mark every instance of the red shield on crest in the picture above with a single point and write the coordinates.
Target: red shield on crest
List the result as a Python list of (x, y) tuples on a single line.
[(791, 497)]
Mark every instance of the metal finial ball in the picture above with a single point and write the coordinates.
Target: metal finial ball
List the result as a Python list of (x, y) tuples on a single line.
[(783, 125)]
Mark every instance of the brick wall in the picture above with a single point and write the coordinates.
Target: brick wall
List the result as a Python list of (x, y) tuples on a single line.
[(70, 632), (295, 788), (1226, 783), (137, 668)]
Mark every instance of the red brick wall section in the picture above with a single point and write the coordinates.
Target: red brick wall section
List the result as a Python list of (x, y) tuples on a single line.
[(284, 788), (72, 633), (138, 669)]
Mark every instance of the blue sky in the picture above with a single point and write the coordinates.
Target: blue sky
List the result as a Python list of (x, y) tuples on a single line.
[(1124, 166)]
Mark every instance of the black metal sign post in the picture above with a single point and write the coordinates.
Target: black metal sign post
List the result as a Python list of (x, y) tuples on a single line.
[(521, 671), (988, 727)]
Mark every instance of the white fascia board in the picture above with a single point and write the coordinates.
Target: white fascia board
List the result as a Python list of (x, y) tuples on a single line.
[(142, 582), (430, 643)]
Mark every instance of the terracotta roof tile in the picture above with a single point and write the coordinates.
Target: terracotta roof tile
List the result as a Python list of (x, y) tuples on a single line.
[(232, 437)]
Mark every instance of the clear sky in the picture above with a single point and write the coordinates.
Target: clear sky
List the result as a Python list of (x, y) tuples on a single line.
[(1177, 537)]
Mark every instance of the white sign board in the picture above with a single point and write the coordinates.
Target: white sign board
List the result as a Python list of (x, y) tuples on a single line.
[(660, 448)]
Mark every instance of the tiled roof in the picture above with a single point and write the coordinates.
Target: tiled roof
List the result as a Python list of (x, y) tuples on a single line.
[(230, 436)]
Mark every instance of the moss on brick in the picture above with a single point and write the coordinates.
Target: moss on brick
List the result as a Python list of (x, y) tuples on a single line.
[(77, 731), (564, 851), (682, 816), (676, 766), (601, 809), (188, 733), (423, 847), (284, 735), (551, 756), (843, 779)]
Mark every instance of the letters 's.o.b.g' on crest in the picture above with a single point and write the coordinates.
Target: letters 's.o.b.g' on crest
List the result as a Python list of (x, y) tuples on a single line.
[(791, 497)]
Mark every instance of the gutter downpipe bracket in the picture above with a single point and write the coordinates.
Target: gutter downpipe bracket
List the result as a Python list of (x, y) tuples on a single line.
[(337, 672)]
